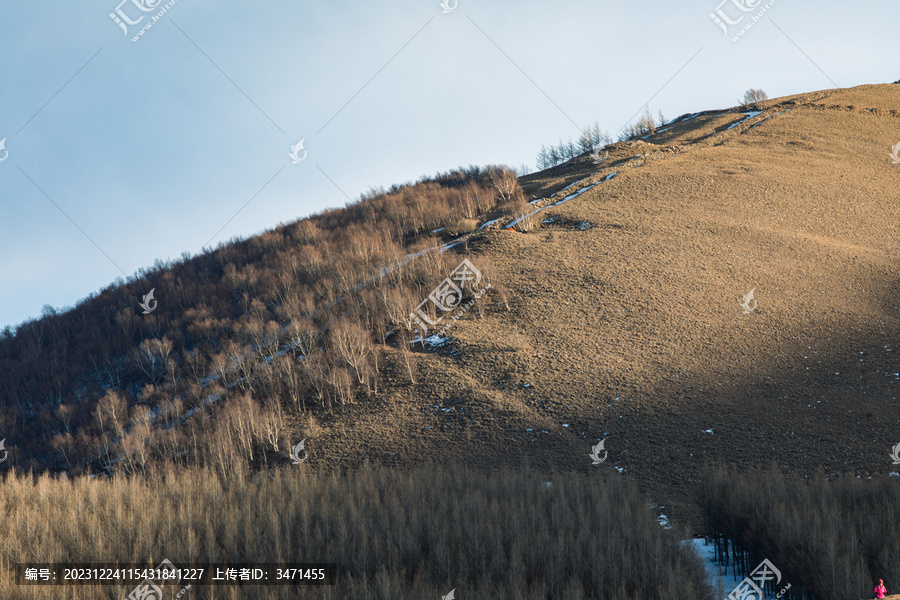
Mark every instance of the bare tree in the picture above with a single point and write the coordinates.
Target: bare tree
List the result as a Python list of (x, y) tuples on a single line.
[(341, 383), (289, 375), (110, 415), (151, 357), (354, 345), (646, 124), (586, 140), (136, 443), (407, 356), (315, 367), (543, 159), (243, 415), (555, 158), (64, 443), (755, 98), (505, 182), (304, 335), (273, 422)]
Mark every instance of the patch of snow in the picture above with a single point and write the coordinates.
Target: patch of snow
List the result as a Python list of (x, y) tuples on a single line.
[(578, 193), (717, 575), (750, 115), (489, 223), (435, 341), (708, 430), (570, 185)]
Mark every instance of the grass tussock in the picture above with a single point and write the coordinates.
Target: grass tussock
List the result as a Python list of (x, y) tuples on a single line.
[(463, 226), (836, 538), (527, 220), (393, 534)]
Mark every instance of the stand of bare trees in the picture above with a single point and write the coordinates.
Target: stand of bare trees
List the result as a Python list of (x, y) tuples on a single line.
[(305, 315), (591, 137), (835, 538), (391, 533)]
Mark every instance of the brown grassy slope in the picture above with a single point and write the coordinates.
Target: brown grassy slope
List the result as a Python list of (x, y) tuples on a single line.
[(631, 329)]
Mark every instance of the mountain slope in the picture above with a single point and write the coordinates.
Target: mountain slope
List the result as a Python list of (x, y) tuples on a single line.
[(631, 329), (615, 315)]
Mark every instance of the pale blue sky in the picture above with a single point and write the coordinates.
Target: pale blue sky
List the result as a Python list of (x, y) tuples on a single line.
[(151, 147)]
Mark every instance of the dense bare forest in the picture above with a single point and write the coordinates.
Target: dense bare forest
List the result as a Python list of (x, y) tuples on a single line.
[(393, 534), (298, 317), (835, 537)]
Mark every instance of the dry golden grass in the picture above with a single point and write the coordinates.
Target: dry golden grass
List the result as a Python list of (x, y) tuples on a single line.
[(463, 226), (634, 329), (393, 534), (527, 219)]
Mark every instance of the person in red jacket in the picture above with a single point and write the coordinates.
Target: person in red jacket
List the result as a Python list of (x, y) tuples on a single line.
[(879, 589)]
